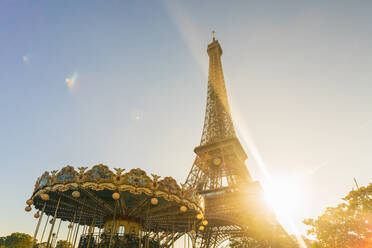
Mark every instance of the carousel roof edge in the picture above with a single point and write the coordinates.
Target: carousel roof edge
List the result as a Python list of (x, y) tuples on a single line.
[(100, 177)]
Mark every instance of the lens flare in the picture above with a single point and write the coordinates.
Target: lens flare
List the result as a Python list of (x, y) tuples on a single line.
[(71, 81)]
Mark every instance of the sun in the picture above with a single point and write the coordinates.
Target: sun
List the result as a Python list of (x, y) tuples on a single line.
[(286, 197)]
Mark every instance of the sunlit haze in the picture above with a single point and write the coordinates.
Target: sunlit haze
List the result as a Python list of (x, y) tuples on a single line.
[(124, 83)]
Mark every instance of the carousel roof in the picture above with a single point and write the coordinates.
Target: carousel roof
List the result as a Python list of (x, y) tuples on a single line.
[(154, 202)]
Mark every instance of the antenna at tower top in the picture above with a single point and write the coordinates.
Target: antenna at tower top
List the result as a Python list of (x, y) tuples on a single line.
[(213, 33)]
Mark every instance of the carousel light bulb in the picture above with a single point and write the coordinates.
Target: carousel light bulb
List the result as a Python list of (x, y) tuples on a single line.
[(183, 208), (205, 222), (44, 197), (217, 161), (199, 216), (154, 201), (28, 209), (37, 215), (201, 228), (116, 196), (75, 194), (29, 202)]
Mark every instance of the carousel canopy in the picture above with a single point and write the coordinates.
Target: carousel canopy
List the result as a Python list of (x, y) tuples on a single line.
[(93, 196)]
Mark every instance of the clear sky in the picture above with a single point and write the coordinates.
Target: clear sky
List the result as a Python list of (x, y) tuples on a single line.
[(298, 75)]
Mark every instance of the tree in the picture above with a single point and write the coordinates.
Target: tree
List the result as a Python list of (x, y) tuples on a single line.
[(63, 244), (348, 225), (18, 240), (309, 243), (2, 242)]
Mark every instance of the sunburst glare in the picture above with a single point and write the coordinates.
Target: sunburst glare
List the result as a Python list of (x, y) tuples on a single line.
[(284, 195)]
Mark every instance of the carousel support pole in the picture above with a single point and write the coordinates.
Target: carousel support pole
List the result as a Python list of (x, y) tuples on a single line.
[(157, 235), (187, 234), (146, 234), (38, 225), (101, 231), (148, 239), (94, 228), (46, 223), (83, 233), (72, 233), (194, 238), (113, 225), (91, 231), (84, 229), (72, 227), (139, 236), (173, 236), (68, 232), (77, 228), (76, 234), (99, 237), (54, 221), (148, 227), (89, 237), (59, 226)]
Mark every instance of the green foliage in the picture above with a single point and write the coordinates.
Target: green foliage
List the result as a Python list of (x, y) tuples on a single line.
[(2, 242), (16, 240), (310, 243), (41, 245), (63, 244), (347, 225)]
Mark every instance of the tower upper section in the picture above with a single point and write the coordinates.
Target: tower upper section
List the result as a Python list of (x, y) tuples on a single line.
[(218, 123), (220, 157)]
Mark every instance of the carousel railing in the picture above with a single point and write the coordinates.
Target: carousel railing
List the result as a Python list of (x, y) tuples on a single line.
[(117, 240)]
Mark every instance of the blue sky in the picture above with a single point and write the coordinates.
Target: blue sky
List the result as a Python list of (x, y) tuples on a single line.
[(297, 72)]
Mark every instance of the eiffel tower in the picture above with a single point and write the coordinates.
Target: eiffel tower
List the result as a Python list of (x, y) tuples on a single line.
[(234, 201)]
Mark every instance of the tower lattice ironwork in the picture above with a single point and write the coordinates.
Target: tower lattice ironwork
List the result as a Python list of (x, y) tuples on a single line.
[(234, 202)]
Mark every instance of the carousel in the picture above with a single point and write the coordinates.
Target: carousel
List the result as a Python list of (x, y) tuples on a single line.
[(105, 208)]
